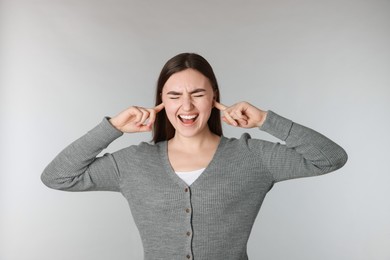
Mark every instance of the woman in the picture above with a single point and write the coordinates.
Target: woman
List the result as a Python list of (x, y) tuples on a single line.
[(193, 193)]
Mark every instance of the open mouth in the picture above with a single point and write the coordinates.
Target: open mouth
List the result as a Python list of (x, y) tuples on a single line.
[(188, 119)]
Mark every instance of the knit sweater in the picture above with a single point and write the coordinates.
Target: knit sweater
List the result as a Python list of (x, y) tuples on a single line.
[(212, 218)]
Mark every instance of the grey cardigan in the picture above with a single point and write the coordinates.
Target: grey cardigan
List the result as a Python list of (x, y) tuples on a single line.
[(212, 218)]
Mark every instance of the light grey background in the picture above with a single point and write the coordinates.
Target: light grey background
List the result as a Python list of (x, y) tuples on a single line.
[(67, 64)]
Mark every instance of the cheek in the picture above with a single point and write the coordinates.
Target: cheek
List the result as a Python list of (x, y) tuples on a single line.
[(170, 112), (205, 106), (170, 107)]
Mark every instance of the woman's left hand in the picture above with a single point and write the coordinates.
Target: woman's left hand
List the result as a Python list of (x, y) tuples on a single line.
[(242, 114)]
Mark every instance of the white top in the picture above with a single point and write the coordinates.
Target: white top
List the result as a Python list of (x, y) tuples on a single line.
[(190, 177)]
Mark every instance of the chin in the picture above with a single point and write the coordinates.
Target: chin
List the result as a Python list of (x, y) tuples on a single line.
[(192, 131)]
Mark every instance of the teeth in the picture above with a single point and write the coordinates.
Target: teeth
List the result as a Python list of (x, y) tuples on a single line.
[(188, 116)]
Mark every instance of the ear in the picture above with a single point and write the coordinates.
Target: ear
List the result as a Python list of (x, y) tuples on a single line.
[(216, 94), (161, 96), (214, 100)]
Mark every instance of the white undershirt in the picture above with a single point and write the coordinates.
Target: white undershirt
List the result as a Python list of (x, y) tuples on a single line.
[(190, 177)]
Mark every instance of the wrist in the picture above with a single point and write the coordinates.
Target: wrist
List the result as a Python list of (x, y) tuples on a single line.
[(114, 124), (262, 118)]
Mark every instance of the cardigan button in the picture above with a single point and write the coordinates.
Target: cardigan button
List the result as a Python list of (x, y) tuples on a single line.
[(186, 189), (188, 256), (188, 210), (188, 233)]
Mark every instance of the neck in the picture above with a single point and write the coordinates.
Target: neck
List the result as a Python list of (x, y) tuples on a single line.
[(193, 143)]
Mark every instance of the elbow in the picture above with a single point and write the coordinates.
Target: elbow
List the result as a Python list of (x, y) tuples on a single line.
[(48, 180), (340, 159), (64, 181), (343, 158), (51, 179), (333, 161)]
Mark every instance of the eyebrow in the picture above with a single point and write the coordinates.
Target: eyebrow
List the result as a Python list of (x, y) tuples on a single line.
[(192, 92)]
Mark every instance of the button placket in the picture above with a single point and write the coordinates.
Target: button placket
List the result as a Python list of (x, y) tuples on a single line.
[(189, 232)]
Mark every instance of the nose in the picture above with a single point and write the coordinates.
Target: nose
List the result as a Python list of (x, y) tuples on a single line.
[(187, 104)]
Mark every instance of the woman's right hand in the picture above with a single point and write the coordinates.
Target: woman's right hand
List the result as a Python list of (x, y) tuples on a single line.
[(136, 119)]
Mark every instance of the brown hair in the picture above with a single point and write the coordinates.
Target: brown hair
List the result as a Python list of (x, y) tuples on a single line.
[(163, 129)]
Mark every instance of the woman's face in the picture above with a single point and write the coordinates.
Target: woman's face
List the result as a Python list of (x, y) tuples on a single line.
[(188, 100)]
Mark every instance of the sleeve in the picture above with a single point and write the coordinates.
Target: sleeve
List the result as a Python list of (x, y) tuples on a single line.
[(305, 152), (77, 168)]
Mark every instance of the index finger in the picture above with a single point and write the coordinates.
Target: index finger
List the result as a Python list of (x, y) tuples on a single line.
[(219, 106), (159, 107), (153, 112)]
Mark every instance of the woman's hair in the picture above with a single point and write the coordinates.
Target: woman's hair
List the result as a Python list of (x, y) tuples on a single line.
[(163, 129)]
